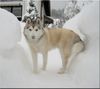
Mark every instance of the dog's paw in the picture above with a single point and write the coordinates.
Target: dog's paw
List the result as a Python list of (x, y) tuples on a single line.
[(61, 71)]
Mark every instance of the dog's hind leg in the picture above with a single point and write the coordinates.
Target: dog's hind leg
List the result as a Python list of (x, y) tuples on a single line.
[(65, 54)]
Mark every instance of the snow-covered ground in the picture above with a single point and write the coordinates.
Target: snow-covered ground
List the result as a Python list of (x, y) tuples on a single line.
[(16, 64)]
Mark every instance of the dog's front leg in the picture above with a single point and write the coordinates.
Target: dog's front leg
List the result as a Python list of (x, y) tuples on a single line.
[(45, 57), (35, 61)]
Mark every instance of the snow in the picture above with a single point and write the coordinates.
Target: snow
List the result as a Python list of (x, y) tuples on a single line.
[(16, 64), (86, 25), (31, 11), (9, 30)]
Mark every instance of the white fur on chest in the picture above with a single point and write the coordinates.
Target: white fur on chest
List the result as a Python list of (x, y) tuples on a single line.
[(38, 46)]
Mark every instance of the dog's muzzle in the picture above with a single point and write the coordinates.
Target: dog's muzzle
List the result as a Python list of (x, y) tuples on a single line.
[(33, 37)]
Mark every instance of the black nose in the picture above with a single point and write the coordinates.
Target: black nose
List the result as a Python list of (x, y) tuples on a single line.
[(33, 37)]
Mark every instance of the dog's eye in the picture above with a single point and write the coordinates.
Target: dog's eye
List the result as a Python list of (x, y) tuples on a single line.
[(30, 29), (36, 30)]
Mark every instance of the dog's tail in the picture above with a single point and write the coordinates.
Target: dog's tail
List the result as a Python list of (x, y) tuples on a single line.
[(77, 48)]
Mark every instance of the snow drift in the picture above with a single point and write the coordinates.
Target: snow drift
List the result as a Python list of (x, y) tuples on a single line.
[(16, 65), (10, 31), (86, 25), (85, 22)]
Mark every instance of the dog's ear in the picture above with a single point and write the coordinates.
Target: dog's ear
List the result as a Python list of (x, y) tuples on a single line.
[(28, 21), (38, 21)]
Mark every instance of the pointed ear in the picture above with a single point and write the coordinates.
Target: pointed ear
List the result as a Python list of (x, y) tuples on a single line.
[(38, 21), (28, 21)]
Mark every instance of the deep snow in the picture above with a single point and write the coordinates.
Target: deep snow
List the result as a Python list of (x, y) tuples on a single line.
[(10, 32), (16, 64)]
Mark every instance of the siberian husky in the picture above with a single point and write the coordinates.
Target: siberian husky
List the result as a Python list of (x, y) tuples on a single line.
[(44, 39)]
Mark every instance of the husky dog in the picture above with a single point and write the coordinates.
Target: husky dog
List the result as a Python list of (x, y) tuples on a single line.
[(44, 39)]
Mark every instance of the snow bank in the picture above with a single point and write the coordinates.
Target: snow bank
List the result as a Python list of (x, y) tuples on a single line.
[(10, 31), (87, 22), (84, 22)]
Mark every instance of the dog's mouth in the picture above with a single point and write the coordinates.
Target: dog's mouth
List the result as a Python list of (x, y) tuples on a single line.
[(33, 37), (37, 38)]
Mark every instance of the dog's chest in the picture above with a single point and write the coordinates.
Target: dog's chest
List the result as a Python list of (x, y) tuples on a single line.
[(39, 46)]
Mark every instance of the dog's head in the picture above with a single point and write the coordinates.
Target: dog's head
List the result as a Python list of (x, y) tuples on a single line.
[(33, 29)]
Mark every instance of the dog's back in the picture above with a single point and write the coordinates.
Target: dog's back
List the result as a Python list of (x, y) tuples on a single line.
[(61, 37)]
